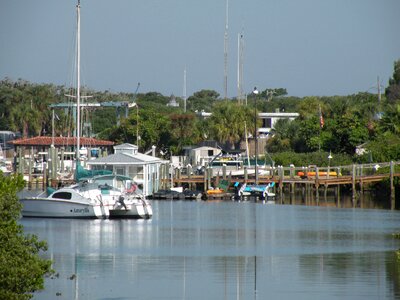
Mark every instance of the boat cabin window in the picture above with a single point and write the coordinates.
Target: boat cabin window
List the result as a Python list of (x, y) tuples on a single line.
[(62, 195)]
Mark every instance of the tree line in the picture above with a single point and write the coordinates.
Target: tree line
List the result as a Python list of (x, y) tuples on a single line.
[(348, 121), (22, 267)]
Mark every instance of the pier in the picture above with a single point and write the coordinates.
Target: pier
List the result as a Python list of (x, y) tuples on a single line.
[(311, 182)]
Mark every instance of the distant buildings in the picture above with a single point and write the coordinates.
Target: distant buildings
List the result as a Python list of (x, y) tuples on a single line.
[(172, 102), (268, 119)]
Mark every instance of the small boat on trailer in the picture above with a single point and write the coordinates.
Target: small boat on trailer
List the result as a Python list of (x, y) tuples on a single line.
[(258, 191)]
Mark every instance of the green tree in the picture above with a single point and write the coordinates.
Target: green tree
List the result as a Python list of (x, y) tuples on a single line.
[(348, 132), (202, 100), (390, 121), (283, 104), (184, 130), (154, 129), (22, 270), (309, 138), (276, 92), (283, 137), (392, 92), (25, 106), (309, 107), (385, 147), (152, 100), (227, 122)]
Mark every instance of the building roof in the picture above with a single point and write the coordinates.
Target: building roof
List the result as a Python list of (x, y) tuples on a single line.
[(209, 143), (125, 146), (125, 159), (278, 115), (59, 141), (205, 148)]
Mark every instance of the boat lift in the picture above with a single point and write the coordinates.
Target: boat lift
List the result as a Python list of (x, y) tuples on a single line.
[(119, 105)]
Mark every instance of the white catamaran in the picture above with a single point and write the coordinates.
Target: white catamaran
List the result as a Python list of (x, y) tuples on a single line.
[(91, 198)]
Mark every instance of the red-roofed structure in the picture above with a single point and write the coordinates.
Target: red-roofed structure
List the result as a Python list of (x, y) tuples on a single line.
[(47, 141), (41, 145)]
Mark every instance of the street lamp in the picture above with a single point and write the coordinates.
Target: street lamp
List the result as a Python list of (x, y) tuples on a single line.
[(255, 93), (329, 161), (137, 122)]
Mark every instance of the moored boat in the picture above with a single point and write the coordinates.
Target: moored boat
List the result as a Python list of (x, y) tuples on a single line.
[(66, 202), (122, 196), (261, 191), (86, 199)]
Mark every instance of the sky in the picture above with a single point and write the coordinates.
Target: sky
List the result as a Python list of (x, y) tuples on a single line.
[(309, 47)]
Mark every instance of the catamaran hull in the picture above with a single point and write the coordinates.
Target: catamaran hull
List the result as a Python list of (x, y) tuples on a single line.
[(141, 210), (49, 208)]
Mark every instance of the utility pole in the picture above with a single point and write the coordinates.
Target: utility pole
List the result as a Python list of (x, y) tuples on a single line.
[(255, 94), (379, 92)]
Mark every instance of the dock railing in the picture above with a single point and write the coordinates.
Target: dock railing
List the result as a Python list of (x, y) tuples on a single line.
[(356, 175)]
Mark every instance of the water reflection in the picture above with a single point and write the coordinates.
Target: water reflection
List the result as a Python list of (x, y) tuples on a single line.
[(197, 250)]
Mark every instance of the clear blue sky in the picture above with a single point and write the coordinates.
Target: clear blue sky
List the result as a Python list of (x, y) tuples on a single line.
[(309, 47)]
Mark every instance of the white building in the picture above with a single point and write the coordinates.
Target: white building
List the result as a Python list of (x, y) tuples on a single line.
[(269, 119), (126, 160), (200, 156)]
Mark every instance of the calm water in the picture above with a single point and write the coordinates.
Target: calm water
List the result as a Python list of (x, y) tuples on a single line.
[(225, 250)]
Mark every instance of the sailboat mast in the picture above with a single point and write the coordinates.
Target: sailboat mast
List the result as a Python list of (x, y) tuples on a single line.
[(240, 68), (226, 52), (78, 79)]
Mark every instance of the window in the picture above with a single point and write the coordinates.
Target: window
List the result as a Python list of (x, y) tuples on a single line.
[(210, 152), (267, 123), (62, 195), (120, 171), (136, 172)]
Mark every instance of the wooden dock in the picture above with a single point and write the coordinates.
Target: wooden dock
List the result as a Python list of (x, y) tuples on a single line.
[(357, 177)]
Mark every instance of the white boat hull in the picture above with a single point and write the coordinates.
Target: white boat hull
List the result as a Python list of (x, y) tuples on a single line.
[(50, 208), (137, 209)]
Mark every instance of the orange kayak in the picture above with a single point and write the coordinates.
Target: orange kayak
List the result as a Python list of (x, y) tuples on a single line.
[(313, 174), (214, 192)]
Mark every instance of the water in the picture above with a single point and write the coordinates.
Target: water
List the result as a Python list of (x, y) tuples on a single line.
[(225, 250)]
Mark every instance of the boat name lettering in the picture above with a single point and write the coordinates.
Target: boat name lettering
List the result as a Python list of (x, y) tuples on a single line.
[(81, 210)]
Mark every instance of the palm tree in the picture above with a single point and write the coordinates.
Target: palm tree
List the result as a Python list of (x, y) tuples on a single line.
[(228, 121), (390, 121)]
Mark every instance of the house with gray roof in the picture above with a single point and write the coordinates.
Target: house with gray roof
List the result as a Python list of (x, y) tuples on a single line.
[(126, 160)]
